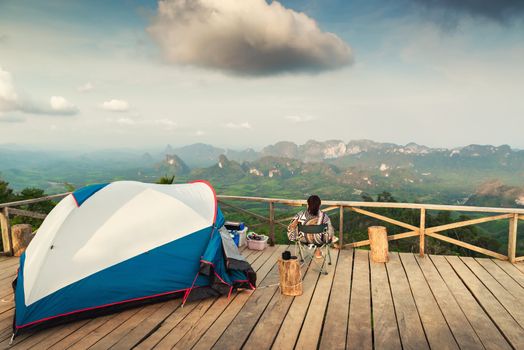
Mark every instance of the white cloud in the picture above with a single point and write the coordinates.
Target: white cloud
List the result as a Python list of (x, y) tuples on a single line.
[(199, 133), (10, 101), (248, 37), (116, 105), (8, 95), (62, 106), (87, 87), (300, 118), (244, 125)]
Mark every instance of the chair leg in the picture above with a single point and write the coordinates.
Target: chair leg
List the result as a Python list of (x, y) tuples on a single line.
[(328, 254)]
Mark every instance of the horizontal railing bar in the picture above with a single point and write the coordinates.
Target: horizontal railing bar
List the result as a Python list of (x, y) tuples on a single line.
[(390, 238), (467, 223), (34, 200), (386, 219), (31, 214), (245, 211), (467, 246), (520, 258), (391, 205)]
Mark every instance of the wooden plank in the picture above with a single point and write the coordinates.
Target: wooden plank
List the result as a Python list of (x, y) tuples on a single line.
[(512, 237), (103, 330), (310, 333), (458, 323), (217, 329), (467, 246), (148, 326), (269, 323), (409, 324), (242, 210), (464, 223), (241, 326), (503, 320), (520, 267), (341, 226), (512, 270), (422, 230), (503, 278), (334, 332), (171, 332), (27, 213), (34, 200), (272, 223), (5, 226), (484, 327), (301, 202), (181, 328), (503, 296), (257, 259), (123, 329), (83, 331), (438, 334), (390, 238), (44, 339), (169, 323), (385, 218), (359, 323), (290, 328), (385, 329), (193, 335)]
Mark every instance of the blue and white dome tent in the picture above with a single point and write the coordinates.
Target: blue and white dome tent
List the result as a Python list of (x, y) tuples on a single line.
[(110, 246)]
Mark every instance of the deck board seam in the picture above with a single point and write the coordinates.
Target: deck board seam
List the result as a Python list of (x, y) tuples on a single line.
[(509, 312), (414, 301), (480, 304), (334, 268), (436, 301), (393, 303)]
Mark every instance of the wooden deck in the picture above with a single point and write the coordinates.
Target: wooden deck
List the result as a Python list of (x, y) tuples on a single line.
[(438, 302)]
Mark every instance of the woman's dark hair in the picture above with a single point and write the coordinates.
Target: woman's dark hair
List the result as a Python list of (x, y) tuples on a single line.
[(313, 204)]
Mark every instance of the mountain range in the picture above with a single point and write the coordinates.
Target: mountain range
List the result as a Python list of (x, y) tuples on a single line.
[(334, 168)]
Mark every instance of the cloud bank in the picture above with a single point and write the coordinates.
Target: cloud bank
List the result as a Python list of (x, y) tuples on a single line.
[(247, 37), (497, 10), (10, 101)]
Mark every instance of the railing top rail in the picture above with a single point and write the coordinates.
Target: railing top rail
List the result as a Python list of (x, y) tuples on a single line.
[(34, 200), (379, 205), (299, 202)]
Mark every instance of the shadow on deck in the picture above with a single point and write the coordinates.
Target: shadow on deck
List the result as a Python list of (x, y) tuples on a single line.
[(438, 302)]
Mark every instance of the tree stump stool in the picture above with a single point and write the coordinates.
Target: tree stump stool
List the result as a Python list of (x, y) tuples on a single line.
[(290, 277), (22, 235), (378, 241)]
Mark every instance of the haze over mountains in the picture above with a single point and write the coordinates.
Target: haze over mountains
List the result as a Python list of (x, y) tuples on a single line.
[(477, 174)]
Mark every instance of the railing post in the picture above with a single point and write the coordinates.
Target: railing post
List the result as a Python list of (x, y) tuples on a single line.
[(5, 225), (422, 232), (512, 238), (341, 228), (272, 223)]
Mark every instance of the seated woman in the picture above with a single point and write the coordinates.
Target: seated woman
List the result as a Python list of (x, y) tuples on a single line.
[(312, 216)]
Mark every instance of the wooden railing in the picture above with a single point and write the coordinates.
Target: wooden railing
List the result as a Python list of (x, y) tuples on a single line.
[(9, 209), (421, 231)]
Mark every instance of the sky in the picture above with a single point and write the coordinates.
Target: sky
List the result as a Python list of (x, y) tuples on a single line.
[(248, 73)]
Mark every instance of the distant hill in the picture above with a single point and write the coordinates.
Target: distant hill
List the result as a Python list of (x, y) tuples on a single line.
[(495, 193)]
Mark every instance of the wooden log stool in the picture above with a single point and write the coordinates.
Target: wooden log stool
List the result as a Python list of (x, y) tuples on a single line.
[(290, 277), (22, 235), (378, 241)]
